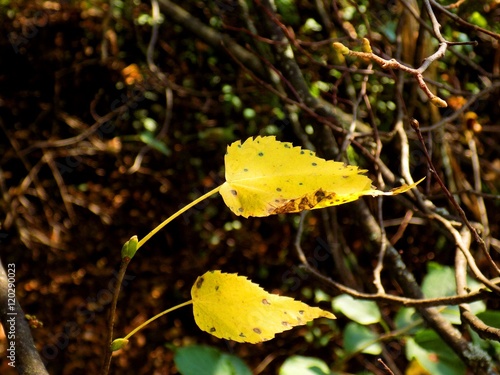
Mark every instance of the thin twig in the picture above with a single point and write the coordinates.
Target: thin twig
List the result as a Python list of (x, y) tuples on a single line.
[(477, 238), (111, 316), (456, 114), (377, 271), (470, 259), (462, 22), (391, 299), (476, 169), (380, 297), (395, 64), (389, 371), (484, 331)]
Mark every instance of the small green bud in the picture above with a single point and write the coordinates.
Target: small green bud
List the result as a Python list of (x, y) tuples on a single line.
[(341, 48), (130, 248), (118, 344)]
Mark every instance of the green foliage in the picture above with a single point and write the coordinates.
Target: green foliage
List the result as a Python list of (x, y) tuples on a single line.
[(201, 359), (362, 312), (358, 338), (440, 282), (300, 365), (433, 354), (289, 11)]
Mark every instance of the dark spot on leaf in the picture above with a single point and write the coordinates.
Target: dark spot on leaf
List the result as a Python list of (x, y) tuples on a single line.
[(301, 312), (345, 176), (287, 146), (302, 152), (311, 153), (300, 183), (242, 334), (320, 195), (265, 302), (261, 154), (199, 282), (257, 330), (216, 288), (239, 146), (284, 324), (212, 329), (234, 192), (240, 209), (245, 170), (314, 164), (305, 204), (278, 189)]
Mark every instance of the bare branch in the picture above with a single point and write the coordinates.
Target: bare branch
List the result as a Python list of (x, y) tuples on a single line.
[(477, 237), (395, 64), (462, 22)]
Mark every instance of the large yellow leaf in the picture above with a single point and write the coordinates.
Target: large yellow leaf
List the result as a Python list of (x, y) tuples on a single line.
[(265, 177), (232, 307)]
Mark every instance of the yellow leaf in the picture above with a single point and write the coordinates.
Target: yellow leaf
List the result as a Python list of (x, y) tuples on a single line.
[(265, 177), (232, 307)]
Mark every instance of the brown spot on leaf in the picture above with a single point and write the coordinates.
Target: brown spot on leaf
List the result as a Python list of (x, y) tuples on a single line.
[(234, 192), (319, 195), (242, 334), (305, 204), (216, 288), (265, 302), (199, 282), (285, 324), (212, 329), (301, 312), (257, 330)]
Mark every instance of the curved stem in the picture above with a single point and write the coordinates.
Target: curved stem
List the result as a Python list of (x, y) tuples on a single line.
[(178, 213), (111, 318), (156, 317)]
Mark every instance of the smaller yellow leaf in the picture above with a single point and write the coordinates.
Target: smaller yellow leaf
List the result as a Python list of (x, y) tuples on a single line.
[(231, 307)]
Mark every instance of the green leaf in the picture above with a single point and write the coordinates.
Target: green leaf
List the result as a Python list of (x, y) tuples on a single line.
[(358, 338), (200, 359), (362, 312), (440, 282), (406, 316), (477, 18), (433, 354), (149, 139), (491, 318), (300, 365)]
